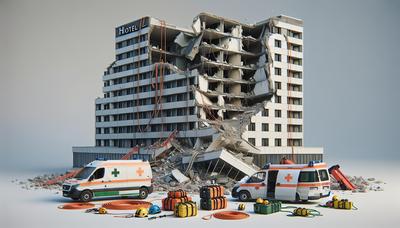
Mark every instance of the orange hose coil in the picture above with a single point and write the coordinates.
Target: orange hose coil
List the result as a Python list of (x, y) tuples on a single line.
[(126, 204), (227, 215), (76, 206)]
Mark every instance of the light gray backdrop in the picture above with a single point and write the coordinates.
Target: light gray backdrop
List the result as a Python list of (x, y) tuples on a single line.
[(53, 53)]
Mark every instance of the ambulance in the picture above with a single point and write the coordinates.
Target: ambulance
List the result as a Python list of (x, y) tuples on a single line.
[(110, 178), (286, 182)]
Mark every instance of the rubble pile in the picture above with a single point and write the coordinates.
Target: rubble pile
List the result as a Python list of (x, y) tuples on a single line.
[(362, 184), (39, 182), (168, 175)]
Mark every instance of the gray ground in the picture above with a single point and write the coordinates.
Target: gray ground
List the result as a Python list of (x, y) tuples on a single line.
[(38, 208)]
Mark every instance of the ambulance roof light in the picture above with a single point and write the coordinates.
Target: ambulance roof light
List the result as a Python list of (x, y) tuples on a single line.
[(101, 159), (311, 163)]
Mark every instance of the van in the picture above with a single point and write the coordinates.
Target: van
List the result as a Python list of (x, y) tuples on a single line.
[(110, 178), (286, 182)]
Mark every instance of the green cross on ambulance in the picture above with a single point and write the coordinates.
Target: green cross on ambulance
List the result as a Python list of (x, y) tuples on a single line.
[(110, 178)]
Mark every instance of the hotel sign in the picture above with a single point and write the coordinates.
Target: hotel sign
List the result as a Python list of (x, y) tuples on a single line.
[(132, 27)]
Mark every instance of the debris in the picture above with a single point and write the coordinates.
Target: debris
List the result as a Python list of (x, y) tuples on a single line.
[(344, 182), (179, 176), (361, 184)]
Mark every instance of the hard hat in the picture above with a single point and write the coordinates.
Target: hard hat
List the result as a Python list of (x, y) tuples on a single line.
[(259, 200), (241, 207), (102, 210), (141, 212), (335, 198), (154, 209), (265, 202)]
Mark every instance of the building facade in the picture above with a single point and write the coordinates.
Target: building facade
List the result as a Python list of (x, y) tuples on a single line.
[(165, 78)]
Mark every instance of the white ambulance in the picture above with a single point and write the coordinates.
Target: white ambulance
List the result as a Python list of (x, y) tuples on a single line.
[(110, 178), (294, 182)]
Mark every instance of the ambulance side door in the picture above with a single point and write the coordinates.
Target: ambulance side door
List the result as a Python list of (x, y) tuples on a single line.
[(286, 184), (98, 179), (116, 176), (256, 185)]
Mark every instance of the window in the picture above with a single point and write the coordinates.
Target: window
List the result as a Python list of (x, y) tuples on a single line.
[(278, 71), (252, 127), (278, 113), (277, 43), (264, 142), (256, 178), (252, 141), (276, 30), (308, 176), (278, 57), (278, 99), (278, 85), (278, 142), (323, 175), (98, 174), (264, 112), (265, 127), (278, 127)]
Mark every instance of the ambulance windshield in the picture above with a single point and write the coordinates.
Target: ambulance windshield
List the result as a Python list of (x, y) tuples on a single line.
[(85, 173)]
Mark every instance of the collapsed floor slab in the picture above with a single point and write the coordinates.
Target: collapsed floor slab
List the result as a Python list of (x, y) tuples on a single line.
[(225, 158)]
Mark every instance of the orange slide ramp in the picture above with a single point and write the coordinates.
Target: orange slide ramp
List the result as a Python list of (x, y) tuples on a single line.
[(345, 184)]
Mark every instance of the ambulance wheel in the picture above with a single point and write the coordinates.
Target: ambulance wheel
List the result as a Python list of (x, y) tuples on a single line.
[(244, 196), (86, 196), (143, 193)]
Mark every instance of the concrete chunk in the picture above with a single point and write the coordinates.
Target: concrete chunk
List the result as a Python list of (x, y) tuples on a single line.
[(179, 176)]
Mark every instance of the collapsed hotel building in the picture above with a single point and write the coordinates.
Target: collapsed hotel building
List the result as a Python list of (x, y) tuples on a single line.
[(230, 93)]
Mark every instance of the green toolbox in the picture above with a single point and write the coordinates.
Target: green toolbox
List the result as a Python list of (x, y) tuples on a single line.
[(266, 209)]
